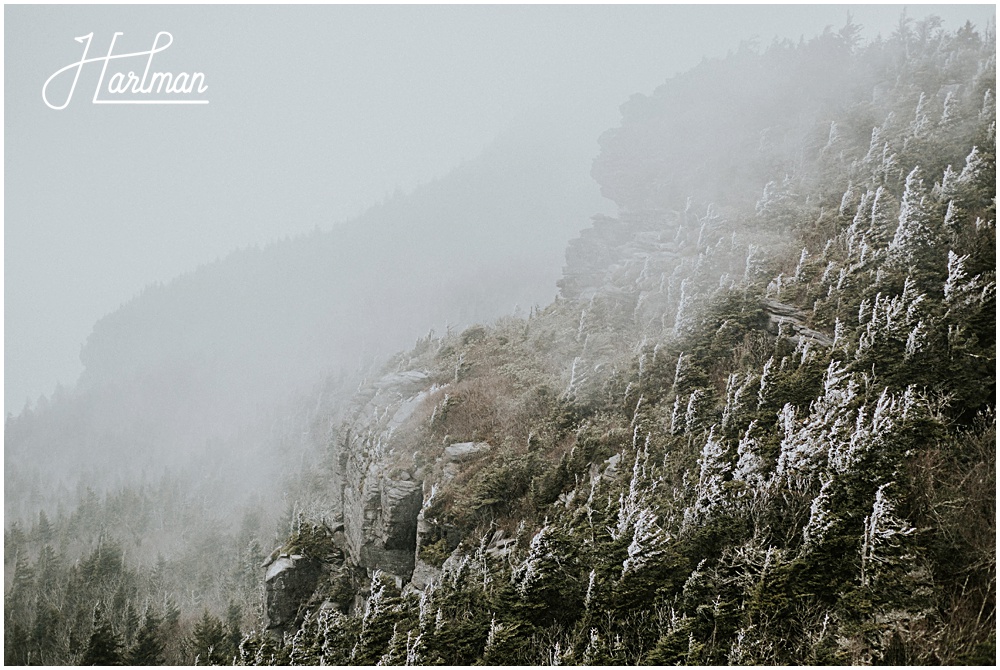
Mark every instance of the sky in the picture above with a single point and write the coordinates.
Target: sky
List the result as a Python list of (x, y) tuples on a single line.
[(315, 113)]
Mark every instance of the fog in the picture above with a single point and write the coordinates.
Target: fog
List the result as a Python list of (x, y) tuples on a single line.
[(360, 177), (180, 276), (397, 281), (316, 114)]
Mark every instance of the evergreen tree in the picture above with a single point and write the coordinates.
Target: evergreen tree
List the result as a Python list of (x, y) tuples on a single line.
[(208, 644), (105, 647), (147, 650), (44, 533), (234, 629)]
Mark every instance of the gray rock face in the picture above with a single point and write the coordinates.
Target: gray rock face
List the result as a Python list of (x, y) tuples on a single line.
[(405, 384), (379, 500), (380, 518), (288, 583), (616, 249), (401, 501), (378, 496), (423, 575), (778, 314), (460, 452)]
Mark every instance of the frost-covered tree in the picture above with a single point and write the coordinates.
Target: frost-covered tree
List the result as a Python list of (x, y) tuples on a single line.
[(916, 240)]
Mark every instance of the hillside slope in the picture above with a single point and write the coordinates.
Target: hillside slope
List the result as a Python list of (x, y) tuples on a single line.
[(757, 426)]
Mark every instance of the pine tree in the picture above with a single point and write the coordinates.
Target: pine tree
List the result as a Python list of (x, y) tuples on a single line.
[(13, 541), (208, 642), (546, 584), (234, 629), (105, 646), (16, 643), (147, 650), (44, 531), (130, 623), (173, 643), (916, 242), (381, 610), (19, 602)]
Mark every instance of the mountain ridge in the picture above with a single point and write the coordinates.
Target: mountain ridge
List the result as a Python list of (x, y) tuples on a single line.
[(756, 426), (199, 358), (713, 447)]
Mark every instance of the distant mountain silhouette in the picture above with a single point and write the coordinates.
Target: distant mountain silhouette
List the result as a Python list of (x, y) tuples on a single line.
[(197, 358)]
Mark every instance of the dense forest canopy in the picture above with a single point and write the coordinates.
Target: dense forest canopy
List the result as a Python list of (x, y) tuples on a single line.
[(757, 425)]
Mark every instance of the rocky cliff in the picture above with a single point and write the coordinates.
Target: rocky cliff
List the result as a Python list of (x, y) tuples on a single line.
[(379, 498), (409, 447), (737, 435)]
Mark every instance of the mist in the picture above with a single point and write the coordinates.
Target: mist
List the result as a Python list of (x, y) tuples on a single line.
[(399, 239), (316, 114)]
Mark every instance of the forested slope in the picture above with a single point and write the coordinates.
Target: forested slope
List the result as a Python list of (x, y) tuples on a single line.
[(156, 482), (758, 425)]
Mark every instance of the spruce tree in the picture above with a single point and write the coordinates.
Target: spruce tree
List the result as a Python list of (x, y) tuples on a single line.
[(234, 629), (147, 650), (208, 641), (104, 647)]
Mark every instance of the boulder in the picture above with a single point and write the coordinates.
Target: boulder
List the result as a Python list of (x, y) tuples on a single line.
[(501, 546), (460, 452), (288, 583), (423, 575), (779, 313)]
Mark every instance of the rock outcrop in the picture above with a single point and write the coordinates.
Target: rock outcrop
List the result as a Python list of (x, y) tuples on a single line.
[(461, 452), (780, 314), (380, 518), (375, 503), (612, 250), (380, 496), (289, 581)]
